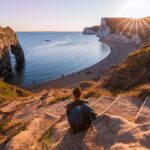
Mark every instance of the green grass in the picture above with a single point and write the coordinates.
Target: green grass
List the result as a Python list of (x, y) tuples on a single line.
[(11, 92)]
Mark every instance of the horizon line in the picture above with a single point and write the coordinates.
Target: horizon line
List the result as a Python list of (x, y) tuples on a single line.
[(48, 31)]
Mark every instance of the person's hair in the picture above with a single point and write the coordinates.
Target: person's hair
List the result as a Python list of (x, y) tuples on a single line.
[(76, 92)]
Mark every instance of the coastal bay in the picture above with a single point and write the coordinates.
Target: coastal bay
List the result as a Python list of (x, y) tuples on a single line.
[(119, 52), (49, 55)]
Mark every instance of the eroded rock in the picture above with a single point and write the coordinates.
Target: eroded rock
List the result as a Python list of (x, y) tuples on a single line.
[(109, 133), (9, 41)]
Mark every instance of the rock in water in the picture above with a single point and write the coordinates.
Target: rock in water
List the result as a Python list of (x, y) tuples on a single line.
[(9, 41)]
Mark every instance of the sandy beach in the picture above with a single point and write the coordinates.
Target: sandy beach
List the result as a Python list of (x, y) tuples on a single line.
[(119, 52)]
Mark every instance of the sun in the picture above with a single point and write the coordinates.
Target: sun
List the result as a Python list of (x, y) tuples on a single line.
[(135, 8)]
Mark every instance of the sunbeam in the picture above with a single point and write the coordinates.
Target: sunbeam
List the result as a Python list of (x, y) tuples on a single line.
[(141, 25), (127, 25), (133, 25)]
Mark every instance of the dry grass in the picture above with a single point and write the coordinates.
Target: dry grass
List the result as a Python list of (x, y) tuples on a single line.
[(47, 140), (141, 91), (93, 90), (60, 95), (11, 93), (135, 71)]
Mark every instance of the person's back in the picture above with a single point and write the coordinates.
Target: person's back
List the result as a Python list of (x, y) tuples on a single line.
[(80, 115)]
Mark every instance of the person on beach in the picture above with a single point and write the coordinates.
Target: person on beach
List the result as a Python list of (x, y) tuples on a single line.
[(62, 76), (80, 115), (33, 82)]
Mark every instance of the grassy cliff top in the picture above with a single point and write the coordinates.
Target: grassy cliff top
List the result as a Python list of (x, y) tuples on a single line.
[(133, 72), (10, 92)]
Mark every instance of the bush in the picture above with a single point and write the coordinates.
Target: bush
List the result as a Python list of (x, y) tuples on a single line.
[(93, 94), (86, 84)]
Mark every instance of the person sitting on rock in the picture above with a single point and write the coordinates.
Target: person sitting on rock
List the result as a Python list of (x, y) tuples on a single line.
[(79, 114)]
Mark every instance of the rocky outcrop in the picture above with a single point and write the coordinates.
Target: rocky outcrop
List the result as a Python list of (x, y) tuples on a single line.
[(9, 42), (108, 133), (90, 30)]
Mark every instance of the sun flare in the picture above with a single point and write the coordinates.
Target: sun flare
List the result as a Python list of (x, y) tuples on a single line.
[(135, 9), (133, 25)]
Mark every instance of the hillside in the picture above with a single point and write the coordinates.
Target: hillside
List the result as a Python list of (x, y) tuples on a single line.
[(133, 72), (11, 93), (47, 128), (39, 122)]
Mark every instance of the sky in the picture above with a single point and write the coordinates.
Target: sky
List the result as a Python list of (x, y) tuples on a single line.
[(66, 15)]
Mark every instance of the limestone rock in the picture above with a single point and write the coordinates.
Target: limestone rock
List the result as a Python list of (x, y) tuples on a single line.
[(90, 30), (9, 41), (117, 29)]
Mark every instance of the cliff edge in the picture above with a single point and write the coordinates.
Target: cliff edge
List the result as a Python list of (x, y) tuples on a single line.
[(9, 41), (91, 30)]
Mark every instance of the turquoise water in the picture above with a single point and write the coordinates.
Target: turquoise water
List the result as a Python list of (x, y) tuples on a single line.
[(50, 54)]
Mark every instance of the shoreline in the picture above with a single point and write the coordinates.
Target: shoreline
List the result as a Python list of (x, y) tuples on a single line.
[(119, 52)]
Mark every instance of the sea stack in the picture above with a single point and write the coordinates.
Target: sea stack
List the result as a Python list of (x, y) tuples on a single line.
[(9, 43)]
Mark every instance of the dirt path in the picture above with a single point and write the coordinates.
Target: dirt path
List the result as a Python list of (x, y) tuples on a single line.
[(101, 104), (109, 130)]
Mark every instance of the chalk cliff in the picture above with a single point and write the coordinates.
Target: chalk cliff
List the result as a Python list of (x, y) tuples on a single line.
[(91, 30), (9, 43), (127, 30)]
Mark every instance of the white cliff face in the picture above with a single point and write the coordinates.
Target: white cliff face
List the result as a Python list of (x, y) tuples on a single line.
[(119, 37), (88, 31), (104, 29), (136, 38), (125, 37), (105, 32)]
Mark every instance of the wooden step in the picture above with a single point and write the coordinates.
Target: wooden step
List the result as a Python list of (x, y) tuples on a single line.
[(30, 112), (59, 109), (10, 107), (143, 115), (29, 109), (126, 107), (101, 104), (91, 100)]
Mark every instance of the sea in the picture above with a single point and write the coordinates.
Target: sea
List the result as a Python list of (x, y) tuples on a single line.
[(49, 55)]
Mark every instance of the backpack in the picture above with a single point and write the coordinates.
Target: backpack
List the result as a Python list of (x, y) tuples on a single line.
[(81, 117)]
